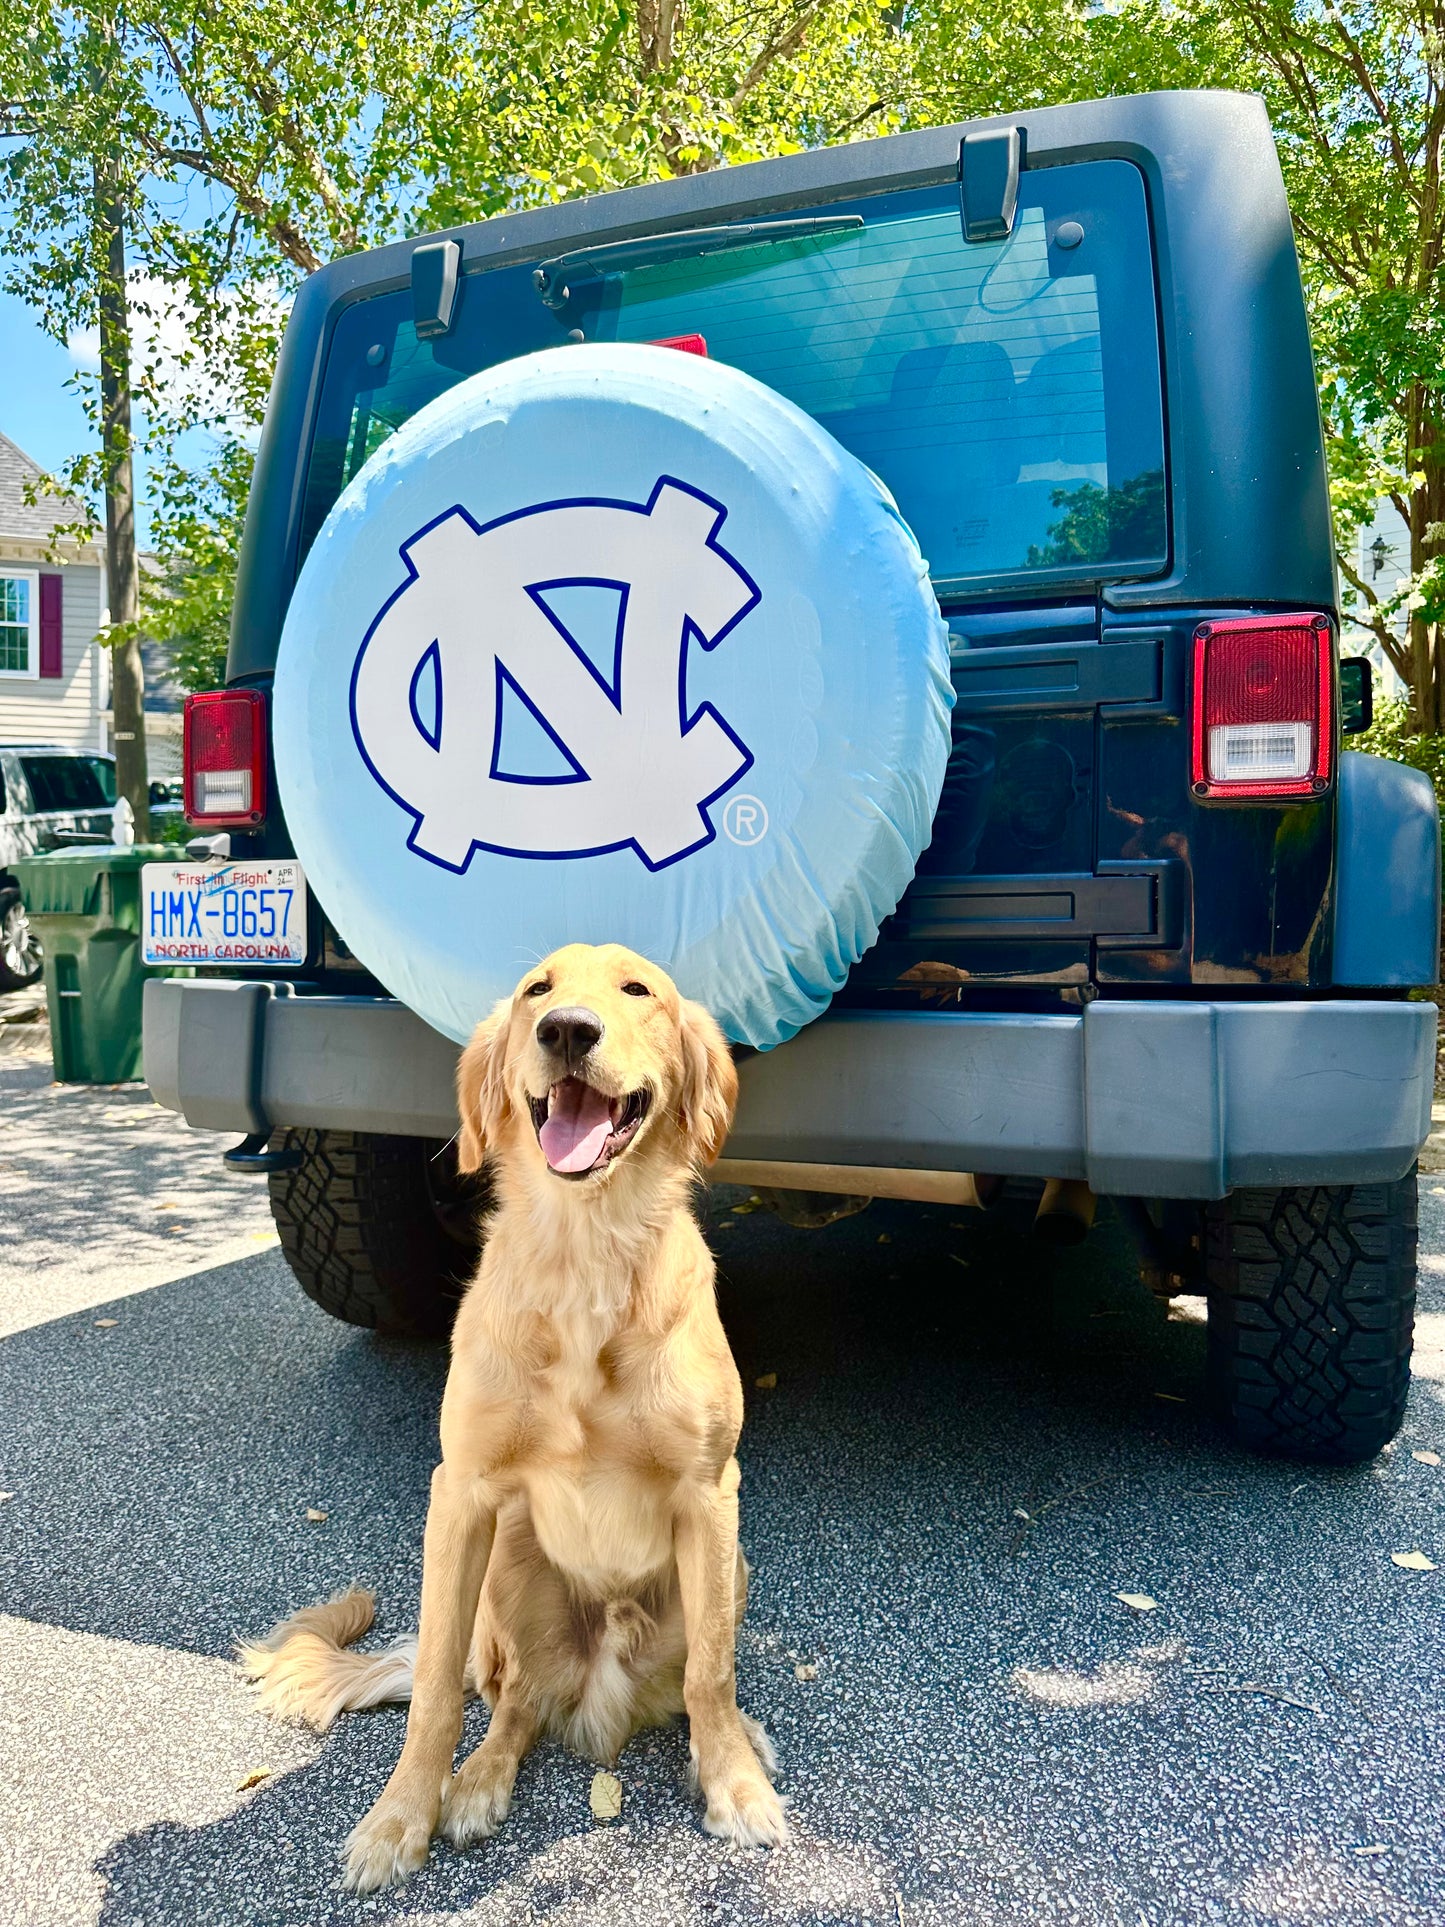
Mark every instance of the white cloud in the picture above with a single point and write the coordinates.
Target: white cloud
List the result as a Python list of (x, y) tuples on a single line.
[(163, 331)]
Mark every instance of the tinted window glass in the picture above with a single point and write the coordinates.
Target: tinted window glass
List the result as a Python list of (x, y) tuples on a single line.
[(70, 782), (1007, 393)]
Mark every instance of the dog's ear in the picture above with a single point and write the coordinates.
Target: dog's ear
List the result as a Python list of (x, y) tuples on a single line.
[(482, 1100), (709, 1084)]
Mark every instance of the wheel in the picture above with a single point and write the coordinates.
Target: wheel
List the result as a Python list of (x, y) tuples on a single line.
[(380, 1231), (1311, 1310), (21, 958)]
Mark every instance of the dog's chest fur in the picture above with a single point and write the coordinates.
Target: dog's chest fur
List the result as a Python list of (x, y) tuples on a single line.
[(596, 1478), (603, 1396)]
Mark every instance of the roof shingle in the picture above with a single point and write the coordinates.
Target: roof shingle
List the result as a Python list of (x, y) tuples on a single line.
[(19, 517)]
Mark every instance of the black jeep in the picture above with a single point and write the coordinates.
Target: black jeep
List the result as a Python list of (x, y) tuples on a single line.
[(1162, 944)]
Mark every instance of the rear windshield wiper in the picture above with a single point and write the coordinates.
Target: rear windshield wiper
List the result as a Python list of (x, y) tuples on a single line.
[(551, 278)]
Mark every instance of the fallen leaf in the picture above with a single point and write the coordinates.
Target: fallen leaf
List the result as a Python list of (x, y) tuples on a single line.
[(805, 1672), (1413, 1561), (957, 1260), (1426, 1458), (175, 1227), (106, 1324), (1365, 1850), (315, 1517), (751, 1204), (1172, 1398), (767, 1382), (885, 1237), (253, 1778), (605, 1799), (1139, 1602), (6, 1495), (168, 1205), (264, 1237)]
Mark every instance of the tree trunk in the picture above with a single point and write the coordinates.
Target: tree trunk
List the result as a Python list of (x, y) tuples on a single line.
[(122, 580)]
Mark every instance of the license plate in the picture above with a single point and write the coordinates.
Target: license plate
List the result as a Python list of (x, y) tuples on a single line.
[(232, 913)]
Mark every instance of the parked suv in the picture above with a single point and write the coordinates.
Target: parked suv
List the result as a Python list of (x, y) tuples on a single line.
[(1163, 942), (48, 797)]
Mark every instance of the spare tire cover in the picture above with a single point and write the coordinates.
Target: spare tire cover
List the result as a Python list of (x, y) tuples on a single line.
[(612, 643)]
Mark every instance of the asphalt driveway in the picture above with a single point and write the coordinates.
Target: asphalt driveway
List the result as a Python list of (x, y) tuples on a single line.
[(971, 1448)]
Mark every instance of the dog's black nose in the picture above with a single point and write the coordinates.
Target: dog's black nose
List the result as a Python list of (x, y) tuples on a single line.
[(570, 1033)]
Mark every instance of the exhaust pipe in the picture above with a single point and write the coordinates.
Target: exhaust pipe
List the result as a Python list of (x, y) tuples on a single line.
[(1065, 1213), (861, 1181)]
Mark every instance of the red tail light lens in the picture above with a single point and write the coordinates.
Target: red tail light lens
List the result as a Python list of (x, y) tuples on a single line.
[(689, 344), (1263, 709), (225, 757)]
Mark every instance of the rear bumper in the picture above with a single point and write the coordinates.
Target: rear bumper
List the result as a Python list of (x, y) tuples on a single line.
[(1153, 1099)]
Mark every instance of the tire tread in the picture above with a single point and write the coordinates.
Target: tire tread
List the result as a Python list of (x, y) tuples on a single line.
[(1311, 1315), (359, 1230)]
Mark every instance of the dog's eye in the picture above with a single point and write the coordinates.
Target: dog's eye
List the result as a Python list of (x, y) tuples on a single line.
[(538, 989), (635, 989)]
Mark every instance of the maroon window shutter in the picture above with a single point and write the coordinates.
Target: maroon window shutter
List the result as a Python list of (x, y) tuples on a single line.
[(51, 635)]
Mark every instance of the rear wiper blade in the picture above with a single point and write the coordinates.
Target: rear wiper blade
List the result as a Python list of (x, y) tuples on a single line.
[(551, 278)]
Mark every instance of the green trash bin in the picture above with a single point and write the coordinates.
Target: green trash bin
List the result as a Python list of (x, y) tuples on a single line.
[(85, 905)]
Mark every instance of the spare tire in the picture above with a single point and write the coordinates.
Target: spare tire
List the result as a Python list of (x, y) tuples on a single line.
[(613, 643)]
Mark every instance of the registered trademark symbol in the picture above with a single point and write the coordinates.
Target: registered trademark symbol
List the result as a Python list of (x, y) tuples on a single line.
[(745, 820)]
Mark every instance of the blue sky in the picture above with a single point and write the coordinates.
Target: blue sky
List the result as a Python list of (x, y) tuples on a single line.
[(36, 409), (43, 412)]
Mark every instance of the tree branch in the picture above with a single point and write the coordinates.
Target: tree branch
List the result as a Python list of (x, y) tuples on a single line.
[(268, 98), (284, 232), (1375, 620), (776, 49)]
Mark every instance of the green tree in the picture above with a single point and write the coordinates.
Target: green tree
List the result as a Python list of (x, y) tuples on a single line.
[(69, 183), (197, 516), (1356, 94), (321, 126)]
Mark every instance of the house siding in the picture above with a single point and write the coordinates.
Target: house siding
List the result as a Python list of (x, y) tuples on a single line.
[(61, 709)]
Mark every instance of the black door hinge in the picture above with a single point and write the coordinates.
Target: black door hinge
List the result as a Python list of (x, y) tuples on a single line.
[(988, 182)]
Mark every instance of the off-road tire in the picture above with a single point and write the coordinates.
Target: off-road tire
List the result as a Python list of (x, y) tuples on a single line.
[(380, 1231), (1311, 1310)]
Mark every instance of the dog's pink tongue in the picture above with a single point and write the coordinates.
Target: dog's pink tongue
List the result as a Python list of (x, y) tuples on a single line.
[(578, 1125)]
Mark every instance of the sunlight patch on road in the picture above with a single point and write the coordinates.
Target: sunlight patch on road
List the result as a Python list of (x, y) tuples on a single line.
[(115, 1738), (1115, 1683), (103, 1194)]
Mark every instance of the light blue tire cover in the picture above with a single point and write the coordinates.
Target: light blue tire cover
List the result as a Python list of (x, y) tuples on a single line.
[(611, 643)]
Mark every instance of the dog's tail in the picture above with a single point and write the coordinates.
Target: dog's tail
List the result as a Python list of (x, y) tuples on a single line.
[(307, 1674)]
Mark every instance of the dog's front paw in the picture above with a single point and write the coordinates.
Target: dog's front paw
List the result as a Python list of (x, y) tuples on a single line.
[(390, 1843), (744, 1808), (479, 1799)]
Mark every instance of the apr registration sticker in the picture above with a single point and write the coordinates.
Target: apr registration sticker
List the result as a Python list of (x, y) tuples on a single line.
[(246, 913)]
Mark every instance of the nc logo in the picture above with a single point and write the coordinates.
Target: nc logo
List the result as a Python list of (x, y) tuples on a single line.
[(471, 630)]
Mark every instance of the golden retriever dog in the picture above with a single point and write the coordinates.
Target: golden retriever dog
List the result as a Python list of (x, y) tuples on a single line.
[(581, 1565)]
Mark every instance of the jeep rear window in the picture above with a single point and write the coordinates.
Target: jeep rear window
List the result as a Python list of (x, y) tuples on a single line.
[(1008, 393)]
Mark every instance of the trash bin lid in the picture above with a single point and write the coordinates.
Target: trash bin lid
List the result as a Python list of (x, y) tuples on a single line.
[(67, 882)]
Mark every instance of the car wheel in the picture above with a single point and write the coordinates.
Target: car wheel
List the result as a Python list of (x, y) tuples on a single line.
[(22, 960), (380, 1231), (1311, 1313)]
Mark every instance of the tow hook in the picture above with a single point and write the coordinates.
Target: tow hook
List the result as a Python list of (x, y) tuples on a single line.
[(251, 1155)]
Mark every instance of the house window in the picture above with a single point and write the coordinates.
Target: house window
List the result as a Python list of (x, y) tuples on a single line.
[(19, 623)]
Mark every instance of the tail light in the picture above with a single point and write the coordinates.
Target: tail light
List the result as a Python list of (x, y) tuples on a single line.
[(1263, 711), (225, 757)]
